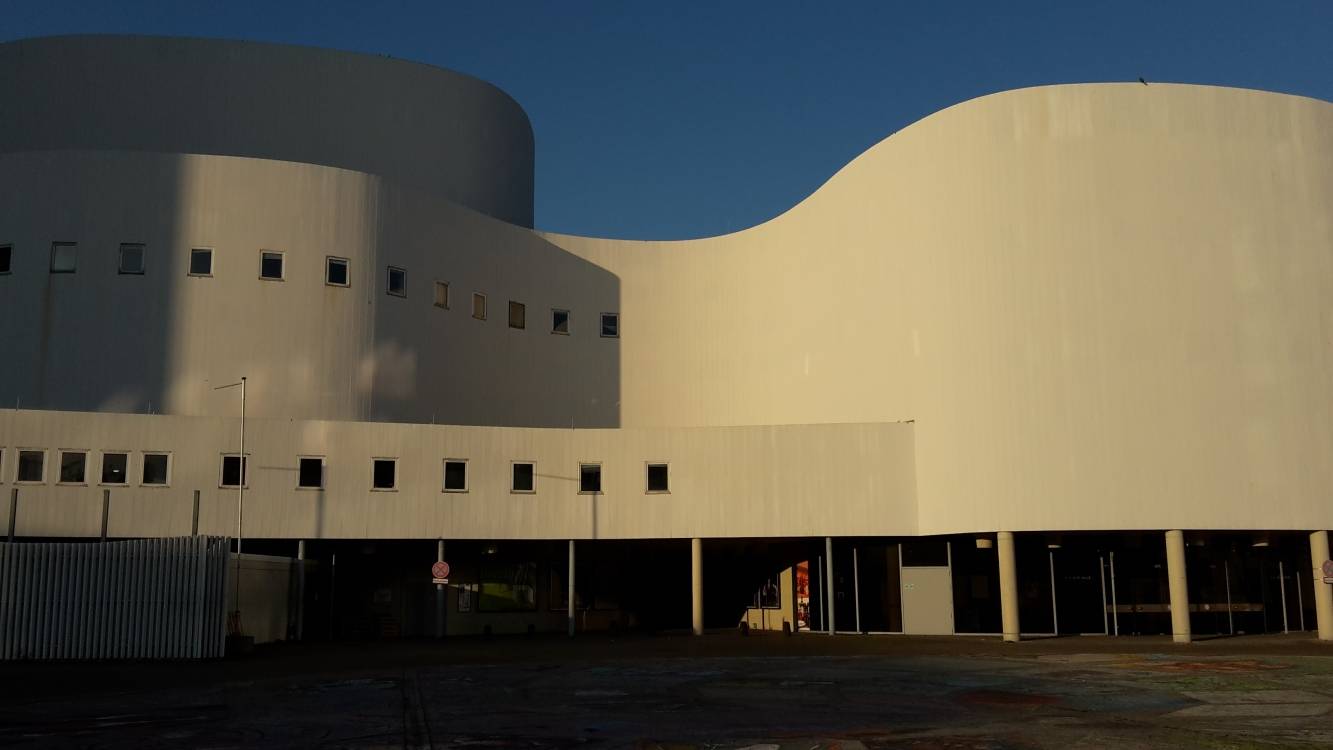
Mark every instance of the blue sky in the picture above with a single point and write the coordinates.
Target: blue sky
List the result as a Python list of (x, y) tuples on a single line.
[(673, 120)]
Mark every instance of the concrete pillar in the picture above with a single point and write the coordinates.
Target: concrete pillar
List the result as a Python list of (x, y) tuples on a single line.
[(856, 588), (106, 511), (1323, 592), (441, 594), (1178, 583), (697, 584), (1008, 586), (828, 573), (300, 590), (13, 511), (569, 606)]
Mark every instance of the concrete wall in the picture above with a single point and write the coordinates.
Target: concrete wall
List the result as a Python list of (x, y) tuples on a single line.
[(724, 482), (440, 131)]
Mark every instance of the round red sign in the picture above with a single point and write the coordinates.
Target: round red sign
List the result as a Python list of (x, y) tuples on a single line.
[(440, 570), (1328, 568)]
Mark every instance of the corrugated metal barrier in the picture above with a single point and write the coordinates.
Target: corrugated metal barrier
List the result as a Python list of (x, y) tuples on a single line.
[(138, 599)]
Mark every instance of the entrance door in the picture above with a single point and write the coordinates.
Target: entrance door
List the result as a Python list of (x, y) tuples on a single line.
[(927, 601), (1078, 590)]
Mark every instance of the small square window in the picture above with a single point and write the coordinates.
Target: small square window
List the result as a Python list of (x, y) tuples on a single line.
[(6, 259), (397, 281), (560, 321), (610, 325), (271, 265), (115, 468), (310, 473), (384, 474), (455, 475), (657, 478), (518, 315), (131, 259), (73, 467), (479, 306), (201, 262), (590, 478), (525, 477), (155, 469), (442, 294), (64, 257), (32, 467), (335, 271), (234, 471)]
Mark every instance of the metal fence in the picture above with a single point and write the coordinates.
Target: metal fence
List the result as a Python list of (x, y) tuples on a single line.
[(138, 599)]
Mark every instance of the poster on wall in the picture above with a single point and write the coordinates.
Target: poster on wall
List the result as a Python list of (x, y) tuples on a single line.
[(467, 594), (802, 595)]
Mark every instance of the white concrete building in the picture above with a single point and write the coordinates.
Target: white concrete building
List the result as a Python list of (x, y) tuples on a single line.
[(1054, 360)]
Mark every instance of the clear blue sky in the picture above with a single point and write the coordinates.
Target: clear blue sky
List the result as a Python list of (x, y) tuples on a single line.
[(685, 119)]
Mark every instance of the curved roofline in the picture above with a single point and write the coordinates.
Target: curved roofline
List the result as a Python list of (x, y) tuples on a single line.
[(914, 124), (417, 124), (266, 43)]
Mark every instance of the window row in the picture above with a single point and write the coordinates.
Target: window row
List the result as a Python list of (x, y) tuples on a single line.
[(522, 478), (155, 471), (273, 267), (30, 467), (65, 258)]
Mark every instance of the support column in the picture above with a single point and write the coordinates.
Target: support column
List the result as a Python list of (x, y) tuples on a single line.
[(856, 588), (1004, 546), (1323, 592), (13, 511), (441, 593), (569, 606), (1178, 583), (300, 590), (1282, 594), (106, 511), (819, 578), (828, 572), (1115, 602), (697, 585)]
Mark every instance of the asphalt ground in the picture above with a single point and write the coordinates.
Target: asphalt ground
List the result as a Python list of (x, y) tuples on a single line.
[(720, 690)]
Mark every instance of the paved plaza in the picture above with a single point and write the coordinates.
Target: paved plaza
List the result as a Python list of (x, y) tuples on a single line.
[(718, 691)]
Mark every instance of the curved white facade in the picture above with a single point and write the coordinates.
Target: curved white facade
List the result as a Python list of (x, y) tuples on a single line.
[(98, 340), (1103, 306), (1089, 307)]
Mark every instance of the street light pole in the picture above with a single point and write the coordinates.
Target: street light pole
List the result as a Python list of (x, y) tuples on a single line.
[(240, 507)]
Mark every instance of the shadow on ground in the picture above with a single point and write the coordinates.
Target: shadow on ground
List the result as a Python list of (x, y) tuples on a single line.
[(721, 690)]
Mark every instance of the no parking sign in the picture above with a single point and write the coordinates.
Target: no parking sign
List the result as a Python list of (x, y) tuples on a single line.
[(1328, 571), (439, 572)]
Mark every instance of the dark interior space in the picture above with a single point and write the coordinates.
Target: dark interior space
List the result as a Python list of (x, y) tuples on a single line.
[(976, 587), (735, 573), (1239, 583)]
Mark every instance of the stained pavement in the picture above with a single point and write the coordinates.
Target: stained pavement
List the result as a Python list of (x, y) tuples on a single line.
[(674, 692)]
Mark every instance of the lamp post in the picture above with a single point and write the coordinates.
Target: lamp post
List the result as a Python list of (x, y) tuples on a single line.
[(240, 507)]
